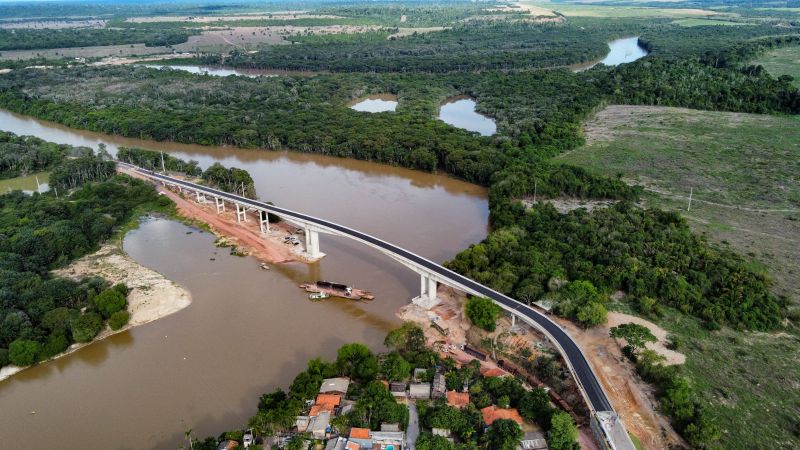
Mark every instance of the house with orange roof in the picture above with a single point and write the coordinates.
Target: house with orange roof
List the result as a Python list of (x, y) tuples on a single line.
[(457, 399), (492, 413), (360, 436), (494, 372)]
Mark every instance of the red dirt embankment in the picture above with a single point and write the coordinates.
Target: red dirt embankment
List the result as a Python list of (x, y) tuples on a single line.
[(245, 236)]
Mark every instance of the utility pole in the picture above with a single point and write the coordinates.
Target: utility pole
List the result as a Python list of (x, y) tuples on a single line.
[(38, 187), (163, 167), (691, 191)]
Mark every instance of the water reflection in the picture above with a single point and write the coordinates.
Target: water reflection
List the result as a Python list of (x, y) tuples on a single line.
[(623, 51), (215, 71), (376, 103), (460, 112)]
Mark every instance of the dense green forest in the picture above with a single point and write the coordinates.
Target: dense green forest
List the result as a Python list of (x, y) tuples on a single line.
[(22, 155), (30, 39), (41, 315), (539, 115)]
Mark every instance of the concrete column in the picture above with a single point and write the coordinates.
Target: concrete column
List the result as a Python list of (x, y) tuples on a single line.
[(431, 288), (241, 213), (513, 320), (200, 197), (263, 218), (220, 204), (423, 285), (314, 244)]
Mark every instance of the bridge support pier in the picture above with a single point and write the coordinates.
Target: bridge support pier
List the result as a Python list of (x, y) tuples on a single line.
[(312, 243), (427, 292), (201, 198), (220, 204), (263, 220), (241, 213)]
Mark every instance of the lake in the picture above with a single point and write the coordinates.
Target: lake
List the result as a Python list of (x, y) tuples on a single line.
[(375, 103), (460, 112)]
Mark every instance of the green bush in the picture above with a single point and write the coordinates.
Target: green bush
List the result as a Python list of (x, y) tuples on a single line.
[(86, 327), (23, 352), (118, 320), (110, 301), (482, 312), (55, 344), (3, 357)]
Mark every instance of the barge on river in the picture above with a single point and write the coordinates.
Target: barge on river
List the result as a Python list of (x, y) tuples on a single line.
[(336, 290)]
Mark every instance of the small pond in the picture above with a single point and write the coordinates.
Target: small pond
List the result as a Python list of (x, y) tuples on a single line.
[(460, 112), (375, 103), (623, 51)]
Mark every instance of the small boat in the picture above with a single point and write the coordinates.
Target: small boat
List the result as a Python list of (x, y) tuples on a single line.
[(264, 266), (318, 296), (337, 290)]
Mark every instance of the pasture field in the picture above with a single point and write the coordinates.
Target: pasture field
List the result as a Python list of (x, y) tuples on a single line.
[(782, 61), (741, 170)]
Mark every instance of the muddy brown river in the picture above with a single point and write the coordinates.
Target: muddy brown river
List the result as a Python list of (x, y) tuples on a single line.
[(247, 330)]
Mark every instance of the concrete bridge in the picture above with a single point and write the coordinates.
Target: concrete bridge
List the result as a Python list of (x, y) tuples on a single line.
[(605, 424)]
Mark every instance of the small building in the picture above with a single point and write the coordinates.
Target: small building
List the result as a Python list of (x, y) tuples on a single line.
[(319, 425), (495, 372), (335, 386), (398, 390), (457, 399), (228, 445), (326, 402), (492, 413), (302, 423), (443, 432), (419, 391), (388, 439), (533, 441), (339, 443), (439, 387), (390, 427), (360, 437)]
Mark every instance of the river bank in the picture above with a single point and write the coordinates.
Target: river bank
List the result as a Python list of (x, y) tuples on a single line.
[(244, 238), (152, 295)]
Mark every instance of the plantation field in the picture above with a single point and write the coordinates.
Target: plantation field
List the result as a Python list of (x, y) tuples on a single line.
[(588, 10), (782, 61), (741, 168)]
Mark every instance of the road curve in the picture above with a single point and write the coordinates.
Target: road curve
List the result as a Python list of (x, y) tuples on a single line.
[(570, 350)]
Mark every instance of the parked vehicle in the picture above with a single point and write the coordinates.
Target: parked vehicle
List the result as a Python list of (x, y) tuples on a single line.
[(248, 438)]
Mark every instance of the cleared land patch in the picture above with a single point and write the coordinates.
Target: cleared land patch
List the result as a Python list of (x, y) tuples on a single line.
[(743, 170), (782, 61)]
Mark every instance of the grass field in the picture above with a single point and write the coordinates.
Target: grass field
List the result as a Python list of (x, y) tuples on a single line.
[(589, 10), (742, 170), (750, 382), (782, 61), (704, 22)]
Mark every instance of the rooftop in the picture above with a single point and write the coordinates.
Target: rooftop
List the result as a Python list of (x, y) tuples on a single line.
[(359, 433), (533, 441), (335, 385), (492, 413), (457, 399)]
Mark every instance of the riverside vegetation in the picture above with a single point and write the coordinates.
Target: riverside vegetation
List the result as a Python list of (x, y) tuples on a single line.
[(42, 315), (575, 260), (374, 404)]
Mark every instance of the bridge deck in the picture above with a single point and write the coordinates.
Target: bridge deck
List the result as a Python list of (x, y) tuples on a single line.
[(582, 371)]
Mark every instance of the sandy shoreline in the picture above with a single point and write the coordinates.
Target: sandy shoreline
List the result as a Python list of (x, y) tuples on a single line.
[(152, 295)]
